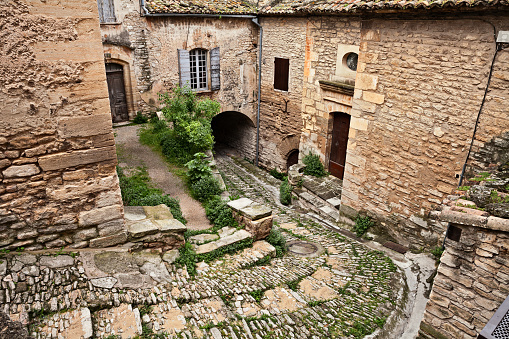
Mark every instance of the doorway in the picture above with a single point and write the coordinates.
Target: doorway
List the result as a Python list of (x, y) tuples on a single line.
[(293, 158), (337, 158), (116, 91)]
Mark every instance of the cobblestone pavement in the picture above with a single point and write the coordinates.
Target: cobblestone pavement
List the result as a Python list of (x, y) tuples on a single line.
[(348, 291)]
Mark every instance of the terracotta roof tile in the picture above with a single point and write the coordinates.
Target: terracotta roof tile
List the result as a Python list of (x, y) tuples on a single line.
[(200, 7)]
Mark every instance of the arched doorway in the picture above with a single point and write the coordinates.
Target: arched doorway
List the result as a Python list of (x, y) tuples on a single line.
[(292, 159), (234, 131), (116, 91), (337, 157)]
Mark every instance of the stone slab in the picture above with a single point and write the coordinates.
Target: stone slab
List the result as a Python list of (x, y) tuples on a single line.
[(171, 256), (256, 211), (260, 228), (238, 236), (106, 282), (226, 231), (56, 262), (170, 225), (110, 240), (335, 201), (239, 204), (201, 238), (134, 213), (64, 160), (159, 212), (142, 228)]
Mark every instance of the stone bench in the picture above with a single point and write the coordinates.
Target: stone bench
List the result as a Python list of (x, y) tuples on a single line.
[(256, 218), (154, 227)]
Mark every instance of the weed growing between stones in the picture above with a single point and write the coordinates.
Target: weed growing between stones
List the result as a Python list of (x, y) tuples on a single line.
[(278, 175), (294, 284), (276, 239), (314, 166), (285, 192), (437, 253), (137, 190), (362, 224)]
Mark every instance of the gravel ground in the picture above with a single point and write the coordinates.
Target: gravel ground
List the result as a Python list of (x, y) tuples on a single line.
[(134, 154)]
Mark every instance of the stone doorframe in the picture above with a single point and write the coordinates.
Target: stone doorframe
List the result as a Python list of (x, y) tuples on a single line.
[(129, 79)]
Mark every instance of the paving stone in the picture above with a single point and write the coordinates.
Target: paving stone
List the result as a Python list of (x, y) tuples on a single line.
[(228, 240), (159, 212), (56, 262), (171, 256), (106, 282), (201, 238), (335, 201), (226, 231), (170, 225)]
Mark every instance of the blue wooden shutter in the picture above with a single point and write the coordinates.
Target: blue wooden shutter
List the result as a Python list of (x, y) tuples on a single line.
[(215, 70), (184, 68)]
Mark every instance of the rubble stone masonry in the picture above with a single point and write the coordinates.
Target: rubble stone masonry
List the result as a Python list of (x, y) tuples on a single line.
[(58, 184), (418, 90)]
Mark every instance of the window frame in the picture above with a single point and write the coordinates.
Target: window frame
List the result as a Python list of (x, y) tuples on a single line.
[(199, 58), (281, 74), (106, 10)]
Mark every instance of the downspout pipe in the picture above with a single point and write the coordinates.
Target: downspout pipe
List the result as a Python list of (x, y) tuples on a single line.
[(145, 12), (255, 21)]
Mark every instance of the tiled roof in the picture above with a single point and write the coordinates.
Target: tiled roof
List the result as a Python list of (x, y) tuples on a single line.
[(305, 6), (200, 7), (344, 6)]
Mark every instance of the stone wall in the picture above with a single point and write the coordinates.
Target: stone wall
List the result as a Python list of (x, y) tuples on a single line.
[(472, 280), (58, 184), (148, 45), (418, 90), (323, 36), (280, 111)]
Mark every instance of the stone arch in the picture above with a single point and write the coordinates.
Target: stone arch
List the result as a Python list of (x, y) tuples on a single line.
[(235, 130), (288, 144)]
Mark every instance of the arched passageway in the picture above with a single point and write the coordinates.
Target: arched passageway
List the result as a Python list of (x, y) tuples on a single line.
[(292, 159), (234, 131)]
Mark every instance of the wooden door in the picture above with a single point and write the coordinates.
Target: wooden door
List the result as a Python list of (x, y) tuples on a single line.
[(116, 91), (337, 158)]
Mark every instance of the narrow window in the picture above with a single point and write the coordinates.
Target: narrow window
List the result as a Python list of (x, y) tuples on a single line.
[(281, 68), (198, 69), (106, 11)]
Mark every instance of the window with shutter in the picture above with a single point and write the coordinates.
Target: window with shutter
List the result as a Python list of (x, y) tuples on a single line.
[(195, 70), (281, 69), (106, 11)]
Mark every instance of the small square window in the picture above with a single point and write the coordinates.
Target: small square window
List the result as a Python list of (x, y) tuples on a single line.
[(281, 69)]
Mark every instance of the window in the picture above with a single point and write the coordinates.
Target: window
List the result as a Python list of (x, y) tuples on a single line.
[(106, 11), (281, 69), (196, 69)]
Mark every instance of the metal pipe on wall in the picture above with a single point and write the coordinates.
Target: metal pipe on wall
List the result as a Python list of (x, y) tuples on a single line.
[(255, 21)]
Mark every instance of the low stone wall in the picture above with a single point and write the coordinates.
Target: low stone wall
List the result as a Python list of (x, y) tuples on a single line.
[(473, 277), (256, 219)]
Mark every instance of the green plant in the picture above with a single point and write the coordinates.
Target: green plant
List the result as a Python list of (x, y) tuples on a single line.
[(276, 174), (314, 166), (140, 118), (187, 258), (219, 214), (285, 192), (276, 239), (257, 295), (463, 188), (198, 168), (205, 188), (437, 252), (362, 224), (137, 190), (294, 284)]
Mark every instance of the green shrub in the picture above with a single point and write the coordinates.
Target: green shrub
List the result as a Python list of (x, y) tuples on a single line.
[(314, 166), (437, 252), (205, 188), (362, 224), (285, 192), (187, 257), (276, 174), (137, 190), (219, 214), (198, 168), (276, 239), (140, 118)]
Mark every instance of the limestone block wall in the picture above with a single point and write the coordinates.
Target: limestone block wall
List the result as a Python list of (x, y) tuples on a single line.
[(58, 184), (280, 111), (149, 45), (418, 90), (323, 36), (471, 283)]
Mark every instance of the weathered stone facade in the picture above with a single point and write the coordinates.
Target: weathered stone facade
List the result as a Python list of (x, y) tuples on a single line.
[(418, 90), (58, 184)]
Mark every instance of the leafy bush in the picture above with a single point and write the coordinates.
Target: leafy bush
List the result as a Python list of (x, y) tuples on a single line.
[(314, 166), (219, 214), (205, 188), (198, 168), (362, 224), (285, 192), (140, 118), (137, 190), (276, 239), (187, 257), (276, 174), (176, 150)]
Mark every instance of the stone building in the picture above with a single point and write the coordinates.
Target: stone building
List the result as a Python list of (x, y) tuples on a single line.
[(58, 184)]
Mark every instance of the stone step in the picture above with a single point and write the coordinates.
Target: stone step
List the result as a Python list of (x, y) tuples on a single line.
[(236, 237)]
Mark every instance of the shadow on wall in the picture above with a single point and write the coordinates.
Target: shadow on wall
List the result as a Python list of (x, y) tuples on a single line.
[(234, 131)]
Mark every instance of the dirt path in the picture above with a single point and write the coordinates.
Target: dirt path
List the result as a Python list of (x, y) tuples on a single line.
[(134, 154)]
